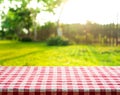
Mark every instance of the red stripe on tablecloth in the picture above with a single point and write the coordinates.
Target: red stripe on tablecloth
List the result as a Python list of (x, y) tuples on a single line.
[(3, 93), (60, 80), (48, 93)]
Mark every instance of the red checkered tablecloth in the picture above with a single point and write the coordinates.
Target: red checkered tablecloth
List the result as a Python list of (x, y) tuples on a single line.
[(59, 80)]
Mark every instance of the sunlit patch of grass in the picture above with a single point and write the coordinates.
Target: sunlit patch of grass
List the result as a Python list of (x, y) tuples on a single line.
[(39, 54)]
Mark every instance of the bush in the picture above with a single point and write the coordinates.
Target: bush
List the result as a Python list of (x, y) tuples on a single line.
[(9, 37), (57, 41), (26, 39)]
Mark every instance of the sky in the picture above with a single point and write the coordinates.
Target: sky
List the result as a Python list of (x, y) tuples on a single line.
[(81, 11), (100, 11)]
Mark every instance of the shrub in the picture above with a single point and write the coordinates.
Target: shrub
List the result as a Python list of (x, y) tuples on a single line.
[(57, 41), (9, 37), (26, 39)]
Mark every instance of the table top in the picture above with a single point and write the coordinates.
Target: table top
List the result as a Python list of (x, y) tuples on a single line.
[(53, 79)]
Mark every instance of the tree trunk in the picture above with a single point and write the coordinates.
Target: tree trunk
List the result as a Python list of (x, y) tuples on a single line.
[(116, 41), (35, 32), (59, 30)]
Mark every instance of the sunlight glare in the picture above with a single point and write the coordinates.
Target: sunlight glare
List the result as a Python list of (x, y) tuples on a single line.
[(101, 11)]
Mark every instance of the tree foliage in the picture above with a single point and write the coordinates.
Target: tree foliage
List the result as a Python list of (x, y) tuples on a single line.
[(16, 20), (93, 33), (22, 17)]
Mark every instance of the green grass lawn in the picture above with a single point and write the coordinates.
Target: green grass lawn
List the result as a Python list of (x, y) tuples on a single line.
[(38, 54)]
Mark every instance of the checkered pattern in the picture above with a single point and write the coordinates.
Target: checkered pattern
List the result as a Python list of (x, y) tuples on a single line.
[(59, 80)]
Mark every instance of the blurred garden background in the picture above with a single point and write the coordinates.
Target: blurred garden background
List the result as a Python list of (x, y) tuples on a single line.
[(38, 33)]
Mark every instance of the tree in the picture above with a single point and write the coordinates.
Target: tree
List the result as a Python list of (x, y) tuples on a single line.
[(59, 30), (28, 13), (16, 20), (46, 31)]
